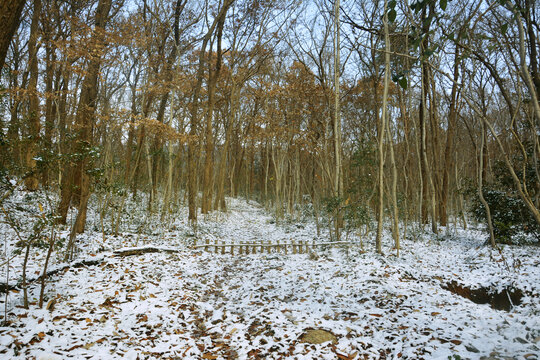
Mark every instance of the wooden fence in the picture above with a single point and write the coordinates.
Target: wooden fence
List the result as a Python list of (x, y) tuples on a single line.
[(292, 247)]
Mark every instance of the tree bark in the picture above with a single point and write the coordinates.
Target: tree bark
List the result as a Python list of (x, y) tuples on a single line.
[(480, 185), (448, 151), (84, 119), (10, 17), (219, 202), (31, 182), (50, 104), (213, 76), (193, 143), (382, 129), (338, 177)]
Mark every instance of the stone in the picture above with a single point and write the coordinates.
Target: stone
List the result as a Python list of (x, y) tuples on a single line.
[(318, 336), (471, 348)]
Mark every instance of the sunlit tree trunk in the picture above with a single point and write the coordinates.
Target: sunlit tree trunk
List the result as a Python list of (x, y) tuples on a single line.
[(427, 178), (50, 103), (382, 129), (31, 182), (395, 210), (480, 184), (338, 178), (219, 201)]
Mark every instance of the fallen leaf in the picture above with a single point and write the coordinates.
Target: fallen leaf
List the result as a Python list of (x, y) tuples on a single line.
[(74, 347), (50, 304)]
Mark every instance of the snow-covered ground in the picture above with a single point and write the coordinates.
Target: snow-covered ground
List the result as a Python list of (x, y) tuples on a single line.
[(193, 304)]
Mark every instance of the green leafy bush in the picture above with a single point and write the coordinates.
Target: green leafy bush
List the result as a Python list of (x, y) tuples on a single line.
[(509, 214)]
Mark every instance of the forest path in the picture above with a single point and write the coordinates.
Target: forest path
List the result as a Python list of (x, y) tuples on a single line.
[(199, 305), (246, 223)]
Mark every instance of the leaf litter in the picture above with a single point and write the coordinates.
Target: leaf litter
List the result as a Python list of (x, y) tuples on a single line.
[(192, 304)]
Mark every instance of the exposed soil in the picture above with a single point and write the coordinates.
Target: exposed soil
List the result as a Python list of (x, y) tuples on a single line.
[(503, 300)]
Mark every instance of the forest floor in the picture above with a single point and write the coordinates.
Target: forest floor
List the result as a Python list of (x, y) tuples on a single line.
[(193, 304)]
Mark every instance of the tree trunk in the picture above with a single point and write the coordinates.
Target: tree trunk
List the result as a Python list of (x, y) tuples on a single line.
[(50, 104), (338, 177), (395, 215), (10, 17), (193, 144), (169, 76), (213, 75), (131, 135), (382, 129), (448, 151), (31, 182), (13, 133), (422, 114), (219, 201), (480, 184), (84, 119)]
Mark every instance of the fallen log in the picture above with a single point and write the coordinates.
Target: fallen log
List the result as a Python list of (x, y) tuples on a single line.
[(144, 250), (86, 262), (61, 267)]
